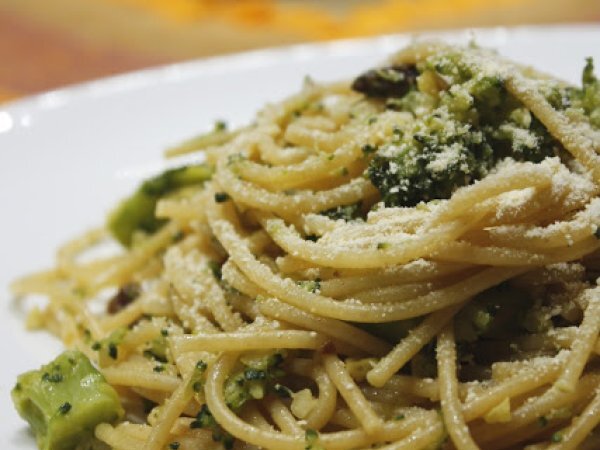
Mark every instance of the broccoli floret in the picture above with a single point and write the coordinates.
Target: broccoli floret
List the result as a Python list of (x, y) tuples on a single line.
[(469, 127), (253, 381), (136, 213), (65, 400), (441, 155)]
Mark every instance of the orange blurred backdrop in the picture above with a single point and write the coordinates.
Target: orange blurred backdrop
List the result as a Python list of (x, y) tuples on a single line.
[(46, 44)]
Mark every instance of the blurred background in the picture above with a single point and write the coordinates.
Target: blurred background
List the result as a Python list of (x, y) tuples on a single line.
[(50, 43)]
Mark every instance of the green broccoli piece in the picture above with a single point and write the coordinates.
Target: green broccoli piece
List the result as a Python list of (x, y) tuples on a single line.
[(65, 400), (137, 211), (253, 381), (439, 157), (473, 125)]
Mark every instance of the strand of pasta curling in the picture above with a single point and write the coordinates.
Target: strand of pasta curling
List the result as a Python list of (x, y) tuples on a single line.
[(339, 440), (299, 202), (409, 246), (584, 342), (350, 392), (326, 402), (581, 426), (352, 310), (291, 176), (408, 347), (169, 413), (532, 410), (451, 407), (271, 307), (373, 253)]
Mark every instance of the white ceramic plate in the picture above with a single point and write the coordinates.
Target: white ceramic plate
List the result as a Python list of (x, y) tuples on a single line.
[(66, 156)]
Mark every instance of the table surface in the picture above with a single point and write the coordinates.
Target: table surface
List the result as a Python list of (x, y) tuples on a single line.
[(44, 45)]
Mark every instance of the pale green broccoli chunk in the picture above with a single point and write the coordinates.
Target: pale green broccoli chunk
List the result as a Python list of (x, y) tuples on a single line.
[(64, 401), (136, 213)]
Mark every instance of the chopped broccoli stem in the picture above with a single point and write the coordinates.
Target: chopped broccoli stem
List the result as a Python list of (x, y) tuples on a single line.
[(64, 401), (137, 211)]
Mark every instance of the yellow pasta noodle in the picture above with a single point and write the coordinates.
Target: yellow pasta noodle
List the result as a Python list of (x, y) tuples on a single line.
[(406, 261)]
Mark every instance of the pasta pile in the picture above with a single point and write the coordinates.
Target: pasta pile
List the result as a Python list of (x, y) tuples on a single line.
[(252, 319)]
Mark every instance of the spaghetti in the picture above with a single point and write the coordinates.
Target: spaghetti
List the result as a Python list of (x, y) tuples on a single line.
[(410, 261)]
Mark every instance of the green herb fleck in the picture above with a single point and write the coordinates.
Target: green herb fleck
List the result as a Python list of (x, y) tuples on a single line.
[(311, 438), (113, 352), (215, 268), (64, 408), (310, 285), (52, 378), (221, 197)]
